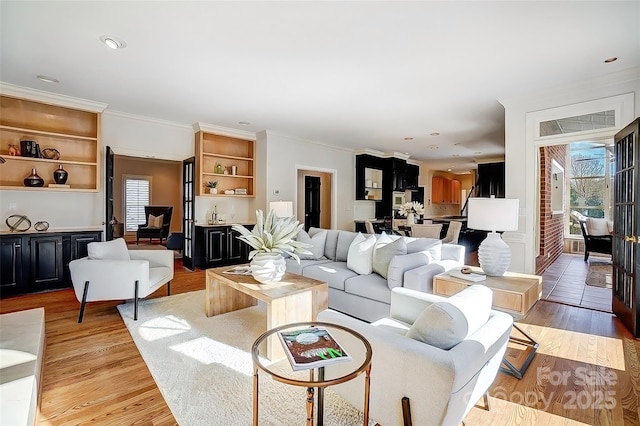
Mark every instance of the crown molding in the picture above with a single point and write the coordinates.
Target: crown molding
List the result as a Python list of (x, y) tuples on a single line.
[(144, 118), (225, 131), (394, 154), (51, 98)]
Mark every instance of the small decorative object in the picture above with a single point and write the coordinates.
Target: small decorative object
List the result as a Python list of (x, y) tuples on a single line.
[(229, 192), (51, 154), (60, 175), (212, 185), (28, 148), (270, 238), (18, 223), (410, 209), (226, 171), (234, 170), (33, 180), (219, 169), (41, 226), (13, 150), (240, 191)]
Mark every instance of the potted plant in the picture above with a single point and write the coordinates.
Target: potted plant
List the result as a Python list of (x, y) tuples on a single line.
[(270, 238), (410, 209), (213, 187)]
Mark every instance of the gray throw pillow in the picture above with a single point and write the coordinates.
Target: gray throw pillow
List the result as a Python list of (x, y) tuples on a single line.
[(383, 254), (447, 323), (317, 244)]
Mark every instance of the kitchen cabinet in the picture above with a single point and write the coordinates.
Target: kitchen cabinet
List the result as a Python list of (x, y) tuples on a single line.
[(491, 180), (411, 176), (33, 262), (66, 136), (445, 191), (369, 172), (218, 245)]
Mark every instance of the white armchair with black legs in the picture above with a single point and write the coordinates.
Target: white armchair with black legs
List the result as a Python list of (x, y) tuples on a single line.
[(111, 272)]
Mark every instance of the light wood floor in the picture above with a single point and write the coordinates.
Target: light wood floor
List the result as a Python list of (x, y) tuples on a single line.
[(93, 372)]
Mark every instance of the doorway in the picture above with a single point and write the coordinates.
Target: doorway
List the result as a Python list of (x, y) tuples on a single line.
[(315, 205)]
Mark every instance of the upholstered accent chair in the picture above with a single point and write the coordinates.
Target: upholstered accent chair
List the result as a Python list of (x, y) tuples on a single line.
[(111, 272), (433, 357), (161, 215), (453, 232), (597, 234), (427, 230)]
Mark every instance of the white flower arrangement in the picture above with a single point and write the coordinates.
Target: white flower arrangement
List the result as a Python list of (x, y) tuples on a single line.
[(411, 207), (273, 235)]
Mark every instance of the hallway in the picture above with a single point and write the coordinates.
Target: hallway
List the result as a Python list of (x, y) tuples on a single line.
[(564, 282)]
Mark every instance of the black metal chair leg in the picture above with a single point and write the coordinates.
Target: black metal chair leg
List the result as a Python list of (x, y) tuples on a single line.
[(169, 288), (84, 301), (135, 303)]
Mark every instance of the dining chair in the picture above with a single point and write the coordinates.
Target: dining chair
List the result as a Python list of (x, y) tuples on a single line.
[(426, 231)]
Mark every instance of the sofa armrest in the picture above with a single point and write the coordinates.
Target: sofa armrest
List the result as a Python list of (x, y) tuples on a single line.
[(421, 279), (407, 304), (400, 264), (154, 257)]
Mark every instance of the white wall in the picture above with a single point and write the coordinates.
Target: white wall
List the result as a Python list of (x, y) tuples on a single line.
[(281, 156), (521, 159)]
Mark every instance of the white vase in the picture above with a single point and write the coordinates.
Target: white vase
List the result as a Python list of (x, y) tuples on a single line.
[(411, 219), (268, 267), (213, 190)]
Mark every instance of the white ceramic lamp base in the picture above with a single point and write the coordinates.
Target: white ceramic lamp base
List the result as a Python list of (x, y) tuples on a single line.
[(494, 255)]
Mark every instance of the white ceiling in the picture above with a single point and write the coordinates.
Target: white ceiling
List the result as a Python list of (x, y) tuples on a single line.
[(356, 74)]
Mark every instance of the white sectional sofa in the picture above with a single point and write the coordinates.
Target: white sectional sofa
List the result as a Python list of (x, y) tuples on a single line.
[(367, 296)]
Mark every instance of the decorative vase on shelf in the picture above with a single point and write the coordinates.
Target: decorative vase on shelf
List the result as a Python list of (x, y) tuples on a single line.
[(33, 180), (60, 176), (411, 219), (213, 190), (267, 267)]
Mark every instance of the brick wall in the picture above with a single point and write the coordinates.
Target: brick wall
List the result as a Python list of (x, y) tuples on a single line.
[(551, 226)]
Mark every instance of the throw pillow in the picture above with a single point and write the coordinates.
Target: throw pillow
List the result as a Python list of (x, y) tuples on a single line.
[(597, 227), (155, 221), (429, 245), (317, 244), (383, 254), (360, 255), (108, 250), (447, 323)]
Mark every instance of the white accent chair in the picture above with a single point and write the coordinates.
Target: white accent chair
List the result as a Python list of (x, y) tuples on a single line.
[(112, 272), (428, 383), (426, 230)]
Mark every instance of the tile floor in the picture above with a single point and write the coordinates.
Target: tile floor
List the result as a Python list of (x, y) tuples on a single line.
[(564, 282)]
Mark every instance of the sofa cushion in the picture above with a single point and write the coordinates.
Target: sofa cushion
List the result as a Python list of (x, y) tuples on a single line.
[(429, 245), (384, 252), (298, 268), (108, 250), (403, 263), (360, 254), (597, 226), (333, 273), (371, 286), (345, 238), (447, 323), (316, 242)]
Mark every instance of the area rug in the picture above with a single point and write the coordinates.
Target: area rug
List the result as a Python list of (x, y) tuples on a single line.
[(600, 274), (203, 366)]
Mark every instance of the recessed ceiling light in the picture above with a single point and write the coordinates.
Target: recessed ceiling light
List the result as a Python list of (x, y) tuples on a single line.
[(408, 138), (448, 170), (435, 134), (243, 123), (113, 42), (611, 59), (48, 79), (434, 147)]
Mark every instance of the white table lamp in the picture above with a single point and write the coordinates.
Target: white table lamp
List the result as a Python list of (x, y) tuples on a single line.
[(282, 208), (493, 214)]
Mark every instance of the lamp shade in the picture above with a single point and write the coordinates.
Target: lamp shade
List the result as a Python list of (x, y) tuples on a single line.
[(493, 214), (282, 208)]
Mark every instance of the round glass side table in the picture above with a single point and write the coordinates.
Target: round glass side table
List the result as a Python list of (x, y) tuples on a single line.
[(353, 343)]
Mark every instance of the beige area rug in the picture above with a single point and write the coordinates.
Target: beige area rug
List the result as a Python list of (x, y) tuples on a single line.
[(203, 366), (600, 274)]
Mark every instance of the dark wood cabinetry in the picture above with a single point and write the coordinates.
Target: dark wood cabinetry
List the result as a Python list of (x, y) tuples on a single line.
[(37, 262), (491, 180), (218, 246)]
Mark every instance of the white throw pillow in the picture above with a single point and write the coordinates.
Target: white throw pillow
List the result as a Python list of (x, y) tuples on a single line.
[(447, 323), (155, 221), (430, 245), (360, 255), (317, 244), (383, 254), (597, 226), (108, 250)]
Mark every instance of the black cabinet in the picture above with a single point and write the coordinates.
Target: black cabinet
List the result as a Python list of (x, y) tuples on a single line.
[(491, 180), (398, 170), (219, 246), (37, 262), (411, 175)]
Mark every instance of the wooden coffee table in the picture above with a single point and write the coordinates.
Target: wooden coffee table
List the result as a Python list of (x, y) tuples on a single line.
[(293, 299), (513, 293)]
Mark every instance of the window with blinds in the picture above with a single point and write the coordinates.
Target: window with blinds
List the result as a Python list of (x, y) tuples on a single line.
[(137, 190)]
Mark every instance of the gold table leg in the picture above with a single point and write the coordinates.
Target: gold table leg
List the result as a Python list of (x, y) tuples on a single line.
[(310, 392), (255, 395), (367, 379)]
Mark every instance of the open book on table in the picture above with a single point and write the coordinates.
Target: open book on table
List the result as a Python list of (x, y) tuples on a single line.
[(311, 347)]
